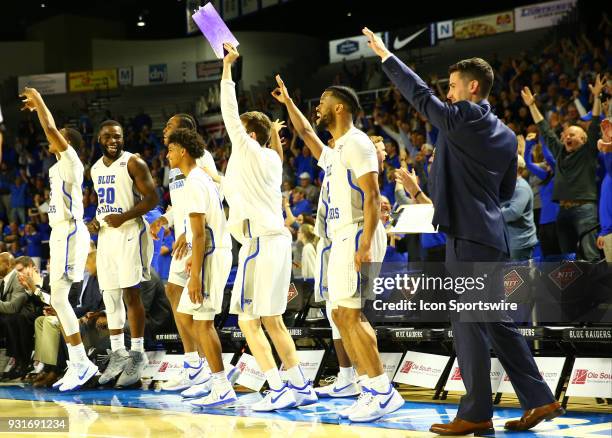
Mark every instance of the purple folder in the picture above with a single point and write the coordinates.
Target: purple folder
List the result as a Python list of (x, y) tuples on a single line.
[(214, 28)]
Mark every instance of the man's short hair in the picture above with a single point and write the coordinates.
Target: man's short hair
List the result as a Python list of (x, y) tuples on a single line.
[(188, 139), (347, 96), (476, 69), (24, 261), (259, 123), (186, 121), (109, 123), (73, 137)]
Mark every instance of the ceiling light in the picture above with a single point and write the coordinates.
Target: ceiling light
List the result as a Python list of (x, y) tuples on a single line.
[(140, 22)]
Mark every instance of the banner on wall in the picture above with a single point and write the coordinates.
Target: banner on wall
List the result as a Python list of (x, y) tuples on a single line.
[(92, 80), (444, 29), (209, 70), (484, 25), (158, 73), (54, 83), (126, 75), (350, 48), (541, 14), (412, 37)]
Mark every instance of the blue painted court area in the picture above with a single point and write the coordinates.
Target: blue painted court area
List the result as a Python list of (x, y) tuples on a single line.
[(414, 416)]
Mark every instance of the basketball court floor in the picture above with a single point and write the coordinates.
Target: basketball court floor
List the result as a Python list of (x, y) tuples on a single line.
[(142, 414)]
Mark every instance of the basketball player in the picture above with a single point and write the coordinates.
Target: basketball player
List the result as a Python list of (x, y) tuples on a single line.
[(69, 241), (210, 262), (351, 170), (125, 248), (195, 370), (252, 187)]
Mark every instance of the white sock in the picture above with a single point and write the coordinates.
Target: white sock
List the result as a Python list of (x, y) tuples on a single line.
[(296, 377), (77, 353), (138, 344), (379, 383), (220, 380), (347, 374), (192, 359), (117, 342), (274, 379)]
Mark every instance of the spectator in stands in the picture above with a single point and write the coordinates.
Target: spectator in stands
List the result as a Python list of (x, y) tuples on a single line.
[(544, 172), (604, 240), (518, 214), (19, 200), (301, 205), (308, 239), (33, 244), (575, 186), (303, 161), (311, 191)]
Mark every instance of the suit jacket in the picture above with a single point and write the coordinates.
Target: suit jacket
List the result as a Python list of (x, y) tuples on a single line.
[(14, 295), (91, 301), (475, 163)]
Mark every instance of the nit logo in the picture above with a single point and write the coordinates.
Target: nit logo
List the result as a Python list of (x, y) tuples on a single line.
[(407, 367), (580, 377), (565, 275), (512, 281), (456, 374), (292, 293)]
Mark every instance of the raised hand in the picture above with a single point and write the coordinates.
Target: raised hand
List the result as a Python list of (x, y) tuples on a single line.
[(280, 93), (527, 96), (277, 125), (598, 86), (30, 97), (376, 43), (232, 54)]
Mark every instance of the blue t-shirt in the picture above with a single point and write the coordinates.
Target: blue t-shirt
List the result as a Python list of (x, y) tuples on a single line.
[(302, 207), (150, 217), (34, 245), (163, 261)]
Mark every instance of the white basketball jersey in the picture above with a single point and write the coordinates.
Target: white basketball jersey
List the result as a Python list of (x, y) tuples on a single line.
[(204, 198), (114, 186), (66, 179), (353, 156), (177, 183), (320, 227)]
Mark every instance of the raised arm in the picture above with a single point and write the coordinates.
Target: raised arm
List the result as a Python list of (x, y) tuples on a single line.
[(415, 90), (275, 140), (242, 143), (531, 166), (529, 100), (34, 102), (298, 120)]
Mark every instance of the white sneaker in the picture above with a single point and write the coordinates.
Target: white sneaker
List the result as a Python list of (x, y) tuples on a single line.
[(232, 375), (276, 399), (364, 399), (189, 376), (59, 382), (198, 390), (338, 388), (379, 405), (83, 371), (305, 395), (217, 397)]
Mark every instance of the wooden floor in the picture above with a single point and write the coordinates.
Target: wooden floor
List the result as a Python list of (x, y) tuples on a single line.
[(142, 414)]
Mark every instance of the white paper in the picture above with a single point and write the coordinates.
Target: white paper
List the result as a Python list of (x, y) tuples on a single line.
[(415, 218)]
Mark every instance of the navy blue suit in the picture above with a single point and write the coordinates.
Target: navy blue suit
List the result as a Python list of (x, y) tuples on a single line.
[(474, 170)]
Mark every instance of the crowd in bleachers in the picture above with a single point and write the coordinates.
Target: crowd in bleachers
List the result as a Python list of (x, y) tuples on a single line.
[(562, 205)]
